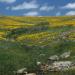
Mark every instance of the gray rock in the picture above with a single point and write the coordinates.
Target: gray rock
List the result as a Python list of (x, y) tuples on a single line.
[(65, 54), (54, 57)]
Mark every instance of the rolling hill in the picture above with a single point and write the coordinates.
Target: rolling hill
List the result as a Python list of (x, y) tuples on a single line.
[(24, 39)]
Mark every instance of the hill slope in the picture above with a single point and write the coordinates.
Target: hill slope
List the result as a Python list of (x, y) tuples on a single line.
[(24, 39)]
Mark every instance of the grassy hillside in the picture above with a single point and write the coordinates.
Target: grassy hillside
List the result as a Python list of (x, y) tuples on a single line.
[(23, 40)]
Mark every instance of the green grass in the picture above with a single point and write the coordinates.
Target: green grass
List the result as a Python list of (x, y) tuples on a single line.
[(39, 38)]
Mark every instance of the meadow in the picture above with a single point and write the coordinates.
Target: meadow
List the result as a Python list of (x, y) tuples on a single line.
[(24, 39)]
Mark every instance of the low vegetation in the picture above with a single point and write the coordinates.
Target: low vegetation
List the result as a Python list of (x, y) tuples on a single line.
[(26, 40)]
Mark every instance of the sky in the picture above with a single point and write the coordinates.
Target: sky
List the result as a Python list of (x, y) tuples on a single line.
[(37, 7)]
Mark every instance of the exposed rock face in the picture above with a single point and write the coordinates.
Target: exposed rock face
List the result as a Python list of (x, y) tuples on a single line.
[(60, 66), (56, 64)]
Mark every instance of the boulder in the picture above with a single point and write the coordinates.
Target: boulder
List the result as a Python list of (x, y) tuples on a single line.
[(65, 54), (54, 57)]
